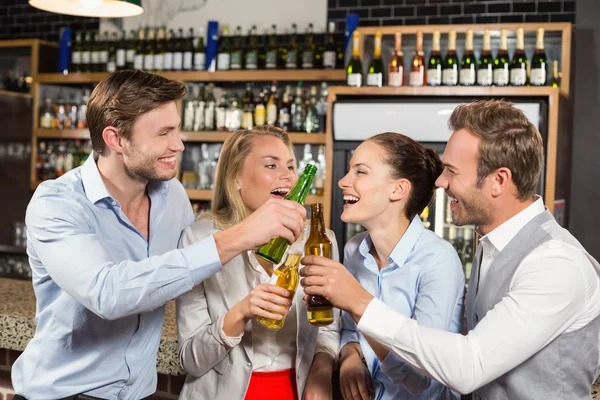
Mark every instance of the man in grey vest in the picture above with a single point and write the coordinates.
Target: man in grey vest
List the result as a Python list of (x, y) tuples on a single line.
[(533, 301)]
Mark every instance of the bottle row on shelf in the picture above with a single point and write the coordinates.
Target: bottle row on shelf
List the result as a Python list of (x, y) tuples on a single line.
[(159, 49), (302, 111), (488, 70), (64, 114), (56, 157), (16, 80)]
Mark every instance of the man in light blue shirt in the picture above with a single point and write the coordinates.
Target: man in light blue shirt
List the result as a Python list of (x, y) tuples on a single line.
[(102, 244)]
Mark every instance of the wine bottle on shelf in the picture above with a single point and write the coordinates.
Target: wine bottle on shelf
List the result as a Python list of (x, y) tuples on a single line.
[(555, 82), (252, 53), (95, 53), (138, 62), (121, 52), (149, 51), (354, 70), (450, 69), (159, 52), (501, 63), (76, 54), (330, 54), (396, 66), (291, 61), (188, 51), (417, 66), (200, 53), (539, 62), (434, 66), (518, 66), (272, 50), (375, 74), (104, 48), (485, 72), (272, 106), (308, 55), (86, 53), (284, 118), (468, 64), (130, 52), (178, 49), (111, 64), (237, 50), (224, 52)]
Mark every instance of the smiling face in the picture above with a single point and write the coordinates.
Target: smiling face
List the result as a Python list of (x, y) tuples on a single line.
[(150, 152), (368, 186), (469, 202), (269, 172)]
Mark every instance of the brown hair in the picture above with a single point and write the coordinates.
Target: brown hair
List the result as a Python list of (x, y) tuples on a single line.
[(410, 160), (508, 139), (227, 207), (121, 97)]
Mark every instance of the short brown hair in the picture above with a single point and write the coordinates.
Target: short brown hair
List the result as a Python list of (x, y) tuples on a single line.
[(121, 97), (508, 139), (410, 160)]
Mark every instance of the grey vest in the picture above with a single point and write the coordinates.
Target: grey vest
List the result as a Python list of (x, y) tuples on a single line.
[(563, 370)]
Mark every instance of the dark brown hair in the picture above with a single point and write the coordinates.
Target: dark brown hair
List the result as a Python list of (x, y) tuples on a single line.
[(121, 97), (410, 160), (508, 139)]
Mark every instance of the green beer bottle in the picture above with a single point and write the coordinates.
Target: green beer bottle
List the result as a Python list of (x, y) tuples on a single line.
[(274, 250)]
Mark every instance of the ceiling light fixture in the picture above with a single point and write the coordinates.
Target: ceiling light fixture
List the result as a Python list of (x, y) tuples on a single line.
[(91, 8)]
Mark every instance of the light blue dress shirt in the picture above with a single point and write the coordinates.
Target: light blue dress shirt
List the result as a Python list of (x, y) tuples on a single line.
[(101, 286), (424, 280)]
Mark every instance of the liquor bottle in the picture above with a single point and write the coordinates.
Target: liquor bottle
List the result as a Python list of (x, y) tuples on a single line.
[(251, 61), (86, 53), (298, 113), (76, 54), (434, 66), (237, 52), (260, 109), (248, 107), (188, 51), (200, 53), (274, 250), (518, 66), (320, 175), (330, 54), (417, 66), (121, 52), (224, 52), (555, 82), (450, 68), (354, 70), (221, 112), (308, 55), (46, 114), (169, 47), (501, 63), (159, 50), (284, 118), (130, 52), (322, 107), (95, 53), (375, 73), (319, 310), (468, 63), (262, 49), (272, 106), (485, 72), (311, 122), (286, 277), (272, 50), (178, 51), (233, 116), (204, 168), (149, 51), (111, 64), (209, 111), (291, 61), (539, 62), (396, 67), (104, 47)]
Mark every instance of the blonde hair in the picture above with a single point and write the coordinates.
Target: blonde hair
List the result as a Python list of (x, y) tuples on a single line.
[(227, 207)]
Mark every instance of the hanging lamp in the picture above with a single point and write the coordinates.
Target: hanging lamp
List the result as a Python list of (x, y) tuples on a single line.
[(91, 8)]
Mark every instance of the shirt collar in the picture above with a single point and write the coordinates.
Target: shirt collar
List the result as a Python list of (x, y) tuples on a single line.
[(404, 245), (503, 234)]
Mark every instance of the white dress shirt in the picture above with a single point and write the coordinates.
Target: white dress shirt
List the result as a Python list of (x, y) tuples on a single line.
[(556, 289)]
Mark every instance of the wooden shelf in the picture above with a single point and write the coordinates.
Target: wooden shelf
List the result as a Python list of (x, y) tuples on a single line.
[(217, 76), (206, 195), (412, 29), (209, 136), (25, 43), (4, 248), (15, 94), (45, 133), (491, 91)]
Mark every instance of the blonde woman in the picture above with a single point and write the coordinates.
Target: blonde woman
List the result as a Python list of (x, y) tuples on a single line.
[(225, 352)]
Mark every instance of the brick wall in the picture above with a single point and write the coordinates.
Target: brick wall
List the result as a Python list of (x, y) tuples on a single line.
[(432, 12)]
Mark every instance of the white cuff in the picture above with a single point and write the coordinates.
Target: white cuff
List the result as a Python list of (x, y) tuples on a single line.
[(230, 341), (381, 322)]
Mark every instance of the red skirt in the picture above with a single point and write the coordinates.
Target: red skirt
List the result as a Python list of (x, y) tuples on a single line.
[(278, 385)]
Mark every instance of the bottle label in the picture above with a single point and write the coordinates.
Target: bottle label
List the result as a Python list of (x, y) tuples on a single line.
[(271, 114), (209, 117), (104, 56), (259, 115), (223, 60), (375, 79), (130, 55), (354, 80), (434, 77), (501, 76), (251, 60), (159, 62), (149, 62), (450, 77), (236, 60), (395, 79), (121, 57), (138, 62), (85, 57), (220, 117), (538, 76), (284, 118), (247, 120), (168, 61), (111, 66), (95, 57), (187, 60), (484, 76), (271, 61), (76, 57), (292, 60), (307, 59), (518, 76), (200, 61), (416, 78), (467, 76), (178, 61), (329, 59)]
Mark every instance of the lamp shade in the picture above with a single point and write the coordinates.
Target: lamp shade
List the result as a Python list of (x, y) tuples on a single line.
[(91, 8)]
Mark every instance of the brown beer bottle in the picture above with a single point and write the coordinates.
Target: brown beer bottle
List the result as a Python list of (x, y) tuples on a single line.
[(319, 310)]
